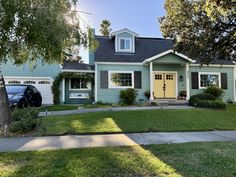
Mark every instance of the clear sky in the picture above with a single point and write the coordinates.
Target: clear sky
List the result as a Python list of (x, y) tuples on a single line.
[(140, 16)]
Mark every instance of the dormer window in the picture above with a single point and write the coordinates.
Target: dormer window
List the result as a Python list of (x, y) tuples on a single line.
[(124, 41), (125, 44)]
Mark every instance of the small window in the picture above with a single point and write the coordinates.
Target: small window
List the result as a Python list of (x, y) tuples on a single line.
[(121, 80), (44, 82), (29, 82), (125, 44), (13, 82), (77, 84), (169, 77), (158, 76), (207, 80)]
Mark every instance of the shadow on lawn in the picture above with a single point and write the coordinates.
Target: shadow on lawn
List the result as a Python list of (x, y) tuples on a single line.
[(108, 162)]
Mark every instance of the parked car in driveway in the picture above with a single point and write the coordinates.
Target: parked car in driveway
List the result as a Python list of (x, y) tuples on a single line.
[(23, 96)]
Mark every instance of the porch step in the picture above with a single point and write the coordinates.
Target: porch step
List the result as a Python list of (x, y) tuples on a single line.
[(171, 101)]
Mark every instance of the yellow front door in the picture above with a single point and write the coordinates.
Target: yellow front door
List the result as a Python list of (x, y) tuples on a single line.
[(164, 85)]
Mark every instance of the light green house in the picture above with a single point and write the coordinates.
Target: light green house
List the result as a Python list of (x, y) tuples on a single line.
[(125, 60)]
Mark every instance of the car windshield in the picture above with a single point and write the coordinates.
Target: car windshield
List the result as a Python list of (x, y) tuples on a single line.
[(15, 88)]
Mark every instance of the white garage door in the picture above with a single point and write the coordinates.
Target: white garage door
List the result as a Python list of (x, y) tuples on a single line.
[(42, 84)]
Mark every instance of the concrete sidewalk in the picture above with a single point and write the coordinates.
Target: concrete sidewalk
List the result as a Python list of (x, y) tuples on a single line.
[(87, 110), (85, 141)]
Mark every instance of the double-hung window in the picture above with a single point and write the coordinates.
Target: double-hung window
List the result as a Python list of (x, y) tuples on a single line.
[(78, 84), (209, 79), (119, 79), (125, 44)]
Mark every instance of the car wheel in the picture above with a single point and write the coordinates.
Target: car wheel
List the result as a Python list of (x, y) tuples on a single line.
[(22, 104), (38, 101)]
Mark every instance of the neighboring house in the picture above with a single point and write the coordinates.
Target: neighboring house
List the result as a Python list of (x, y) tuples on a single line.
[(40, 74), (125, 60)]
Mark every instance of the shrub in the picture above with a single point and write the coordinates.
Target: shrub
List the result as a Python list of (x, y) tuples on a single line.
[(195, 98), (215, 104), (147, 94), (153, 103), (24, 120), (128, 96), (183, 93), (215, 91)]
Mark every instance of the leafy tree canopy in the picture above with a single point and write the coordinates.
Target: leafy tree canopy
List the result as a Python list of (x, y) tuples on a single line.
[(202, 29), (39, 28)]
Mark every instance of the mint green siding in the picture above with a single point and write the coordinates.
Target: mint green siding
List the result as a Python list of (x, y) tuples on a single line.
[(170, 59), (39, 69), (229, 93), (175, 68), (111, 95), (76, 100)]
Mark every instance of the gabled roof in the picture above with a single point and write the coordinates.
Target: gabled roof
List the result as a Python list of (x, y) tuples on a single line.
[(73, 66), (144, 48), (124, 30), (166, 53)]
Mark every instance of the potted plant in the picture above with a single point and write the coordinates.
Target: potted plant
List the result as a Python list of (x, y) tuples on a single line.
[(182, 95)]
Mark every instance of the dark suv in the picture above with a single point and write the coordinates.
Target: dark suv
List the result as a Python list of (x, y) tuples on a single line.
[(23, 96)]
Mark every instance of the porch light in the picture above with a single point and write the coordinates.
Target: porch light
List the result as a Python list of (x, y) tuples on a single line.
[(181, 78)]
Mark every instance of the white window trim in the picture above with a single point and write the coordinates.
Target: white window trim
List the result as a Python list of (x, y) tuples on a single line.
[(120, 87), (89, 86), (125, 50), (213, 73)]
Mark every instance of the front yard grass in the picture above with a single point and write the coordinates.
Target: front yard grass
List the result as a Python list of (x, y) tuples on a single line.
[(140, 121), (57, 108), (216, 159)]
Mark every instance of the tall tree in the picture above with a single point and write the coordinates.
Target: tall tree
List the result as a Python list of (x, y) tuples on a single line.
[(30, 29), (203, 29), (105, 28)]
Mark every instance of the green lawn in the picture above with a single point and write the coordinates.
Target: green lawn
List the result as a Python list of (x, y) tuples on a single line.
[(176, 160), (141, 121), (57, 108)]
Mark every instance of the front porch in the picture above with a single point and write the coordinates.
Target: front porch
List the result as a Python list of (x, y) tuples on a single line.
[(169, 75)]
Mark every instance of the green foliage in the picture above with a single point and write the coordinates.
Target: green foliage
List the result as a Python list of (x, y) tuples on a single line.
[(87, 77), (206, 31), (147, 94), (214, 91), (153, 103), (24, 120), (105, 27), (215, 104), (128, 96), (196, 98), (183, 93), (206, 100)]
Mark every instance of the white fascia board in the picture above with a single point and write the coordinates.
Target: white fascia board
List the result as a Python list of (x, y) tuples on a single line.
[(118, 63), (124, 30), (213, 65), (165, 53), (78, 71)]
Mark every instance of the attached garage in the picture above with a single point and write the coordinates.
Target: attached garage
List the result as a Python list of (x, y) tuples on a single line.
[(43, 84)]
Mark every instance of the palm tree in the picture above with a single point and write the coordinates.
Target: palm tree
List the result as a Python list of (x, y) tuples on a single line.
[(105, 27)]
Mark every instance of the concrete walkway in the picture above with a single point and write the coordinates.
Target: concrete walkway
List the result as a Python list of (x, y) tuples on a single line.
[(84, 110), (85, 141)]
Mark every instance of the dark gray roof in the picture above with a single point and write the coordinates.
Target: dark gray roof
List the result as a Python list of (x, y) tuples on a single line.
[(144, 48), (77, 66)]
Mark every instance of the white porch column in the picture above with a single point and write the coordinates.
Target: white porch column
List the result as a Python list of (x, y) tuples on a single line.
[(187, 81), (63, 90), (151, 80)]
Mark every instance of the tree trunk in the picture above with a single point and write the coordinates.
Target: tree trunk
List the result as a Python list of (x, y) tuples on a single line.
[(5, 117)]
